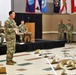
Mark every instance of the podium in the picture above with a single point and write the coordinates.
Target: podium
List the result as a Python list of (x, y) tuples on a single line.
[(31, 28)]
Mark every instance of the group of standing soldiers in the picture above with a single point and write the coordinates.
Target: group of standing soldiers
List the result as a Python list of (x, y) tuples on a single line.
[(65, 29)]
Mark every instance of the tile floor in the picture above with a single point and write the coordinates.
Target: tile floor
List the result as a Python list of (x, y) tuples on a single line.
[(29, 63)]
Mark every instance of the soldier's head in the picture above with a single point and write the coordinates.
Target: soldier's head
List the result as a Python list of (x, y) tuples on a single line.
[(22, 22), (69, 21), (61, 21), (56, 0), (0, 23), (12, 14)]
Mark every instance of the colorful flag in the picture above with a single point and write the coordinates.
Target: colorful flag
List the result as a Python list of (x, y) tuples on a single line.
[(40, 2), (63, 6), (30, 5), (38, 6), (56, 6), (74, 7), (71, 6), (44, 6)]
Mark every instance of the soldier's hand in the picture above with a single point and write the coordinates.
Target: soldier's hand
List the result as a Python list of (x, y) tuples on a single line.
[(64, 31), (16, 31), (25, 32)]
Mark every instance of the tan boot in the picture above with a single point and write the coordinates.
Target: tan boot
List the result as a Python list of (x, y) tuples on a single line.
[(9, 63), (14, 62)]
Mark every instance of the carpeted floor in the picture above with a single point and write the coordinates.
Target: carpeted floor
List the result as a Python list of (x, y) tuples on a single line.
[(39, 62)]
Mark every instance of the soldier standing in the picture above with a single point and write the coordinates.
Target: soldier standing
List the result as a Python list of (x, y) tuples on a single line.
[(61, 29), (69, 30), (10, 35)]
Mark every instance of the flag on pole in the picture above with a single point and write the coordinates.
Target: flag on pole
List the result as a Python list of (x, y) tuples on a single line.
[(44, 7), (56, 6), (71, 6), (63, 6), (74, 1), (30, 5), (41, 6), (38, 6), (40, 2)]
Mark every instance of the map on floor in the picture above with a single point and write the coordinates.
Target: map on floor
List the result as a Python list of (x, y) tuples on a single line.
[(48, 69), (2, 60), (21, 69), (24, 64)]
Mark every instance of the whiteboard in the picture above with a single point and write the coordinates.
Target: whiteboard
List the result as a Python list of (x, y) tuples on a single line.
[(5, 7)]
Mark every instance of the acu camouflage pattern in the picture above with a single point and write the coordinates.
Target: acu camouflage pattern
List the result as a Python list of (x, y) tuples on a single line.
[(22, 29), (61, 29), (69, 30), (1, 29), (10, 38), (1, 34)]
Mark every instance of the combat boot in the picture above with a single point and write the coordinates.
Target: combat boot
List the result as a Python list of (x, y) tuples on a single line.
[(9, 63), (13, 62)]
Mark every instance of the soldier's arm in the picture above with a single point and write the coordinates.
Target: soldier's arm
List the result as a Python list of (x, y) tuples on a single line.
[(16, 28), (15, 25), (26, 29), (72, 27), (59, 28), (65, 27), (8, 29), (20, 28)]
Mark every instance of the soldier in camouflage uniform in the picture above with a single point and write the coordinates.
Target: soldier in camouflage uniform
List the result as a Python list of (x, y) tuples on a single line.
[(1, 33), (69, 30), (61, 29), (22, 29), (10, 35)]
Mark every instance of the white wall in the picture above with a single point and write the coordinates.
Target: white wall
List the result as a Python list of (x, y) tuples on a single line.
[(5, 7)]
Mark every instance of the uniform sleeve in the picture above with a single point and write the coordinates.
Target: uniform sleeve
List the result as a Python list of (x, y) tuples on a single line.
[(15, 25), (19, 27), (64, 27), (72, 27), (26, 29), (58, 28), (8, 29)]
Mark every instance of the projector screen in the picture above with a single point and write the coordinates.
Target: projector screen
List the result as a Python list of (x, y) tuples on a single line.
[(5, 7)]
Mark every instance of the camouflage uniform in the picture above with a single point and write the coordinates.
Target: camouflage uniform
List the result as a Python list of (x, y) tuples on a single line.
[(69, 30), (1, 34), (61, 29), (10, 36), (22, 29)]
